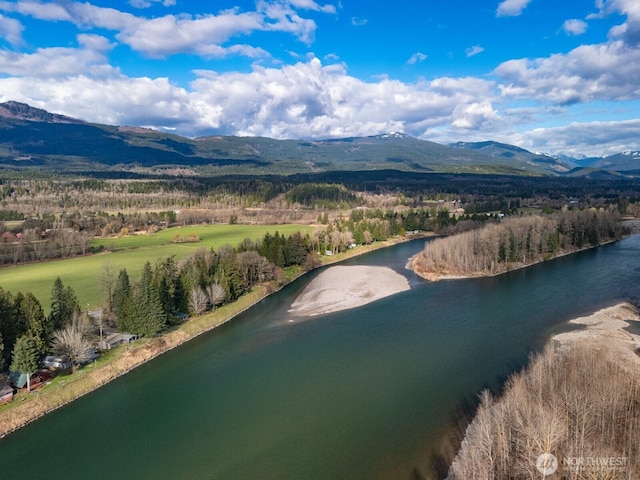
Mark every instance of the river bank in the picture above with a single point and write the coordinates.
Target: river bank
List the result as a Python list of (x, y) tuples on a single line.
[(28, 407), (444, 273), (610, 326), (589, 375)]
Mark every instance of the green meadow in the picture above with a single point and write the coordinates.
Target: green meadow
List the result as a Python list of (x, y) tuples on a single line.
[(84, 273)]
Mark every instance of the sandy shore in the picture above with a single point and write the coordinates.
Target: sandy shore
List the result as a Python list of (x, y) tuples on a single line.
[(606, 327), (341, 288)]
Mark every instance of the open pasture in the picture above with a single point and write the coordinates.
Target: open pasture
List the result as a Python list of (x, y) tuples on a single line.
[(84, 273)]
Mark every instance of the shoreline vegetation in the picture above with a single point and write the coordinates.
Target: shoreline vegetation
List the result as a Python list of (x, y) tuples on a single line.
[(28, 407), (515, 243), (576, 403)]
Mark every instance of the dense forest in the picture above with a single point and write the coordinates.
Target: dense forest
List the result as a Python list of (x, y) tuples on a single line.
[(90, 193), (503, 245)]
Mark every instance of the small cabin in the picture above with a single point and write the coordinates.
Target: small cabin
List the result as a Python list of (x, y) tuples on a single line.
[(115, 339), (38, 379)]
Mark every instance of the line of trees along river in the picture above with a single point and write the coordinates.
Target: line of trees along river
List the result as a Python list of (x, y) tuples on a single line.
[(358, 394), (501, 246)]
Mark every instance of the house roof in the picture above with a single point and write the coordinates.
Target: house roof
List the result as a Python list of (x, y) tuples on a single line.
[(19, 380), (5, 390), (120, 337), (52, 358)]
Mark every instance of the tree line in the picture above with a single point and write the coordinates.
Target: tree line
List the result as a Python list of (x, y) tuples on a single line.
[(68, 235), (33, 245), (322, 196), (515, 241), (204, 280), (162, 296)]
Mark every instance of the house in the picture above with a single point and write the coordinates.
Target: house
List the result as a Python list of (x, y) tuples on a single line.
[(38, 379), (93, 356), (114, 339), (57, 363), (6, 394)]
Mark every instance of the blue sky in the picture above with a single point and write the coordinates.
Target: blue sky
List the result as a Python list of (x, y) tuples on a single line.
[(556, 77)]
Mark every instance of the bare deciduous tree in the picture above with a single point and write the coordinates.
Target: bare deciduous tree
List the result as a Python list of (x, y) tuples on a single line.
[(498, 247), (216, 294), (580, 403), (198, 301), (108, 282), (71, 341)]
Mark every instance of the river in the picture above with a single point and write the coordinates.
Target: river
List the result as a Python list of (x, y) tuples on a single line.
[(359, 394)]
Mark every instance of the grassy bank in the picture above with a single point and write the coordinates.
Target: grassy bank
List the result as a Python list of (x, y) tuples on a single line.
[(28, 407)]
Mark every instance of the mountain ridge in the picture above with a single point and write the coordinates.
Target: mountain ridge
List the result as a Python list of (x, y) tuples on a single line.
[(22, 111), (34, 138)]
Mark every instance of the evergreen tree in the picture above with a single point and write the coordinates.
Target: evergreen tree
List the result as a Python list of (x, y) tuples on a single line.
[(229, 275), (122, 300), (26, 357), (10, 328), (295, 250), (64, 304), (31, 315), (166, 281), (148, 316)]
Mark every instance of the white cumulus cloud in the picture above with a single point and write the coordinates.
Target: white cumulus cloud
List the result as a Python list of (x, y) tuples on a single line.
[(60, 62), (41, 11), (310, 100), (574, 27), (587, 73), (474, 115), (417, 57), (358, 22), (511, 8), (206, 35), (475, 50), (597, 139), (148, 3), (11, 30)]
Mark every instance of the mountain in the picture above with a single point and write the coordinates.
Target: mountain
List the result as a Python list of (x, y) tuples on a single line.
[(21, 111), (34, 138), (502, 151), (578, 161), (621, 162)]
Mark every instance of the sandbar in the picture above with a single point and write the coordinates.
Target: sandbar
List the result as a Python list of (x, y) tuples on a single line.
[(344, 287), (606, 327)]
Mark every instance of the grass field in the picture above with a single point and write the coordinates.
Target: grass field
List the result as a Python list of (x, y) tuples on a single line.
[(84, 273)]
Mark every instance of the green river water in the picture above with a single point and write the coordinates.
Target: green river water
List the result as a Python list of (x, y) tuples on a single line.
[(359, 394)]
